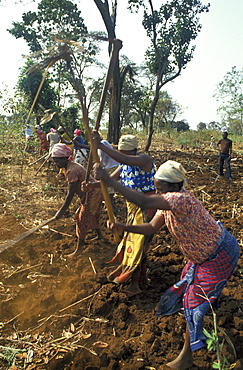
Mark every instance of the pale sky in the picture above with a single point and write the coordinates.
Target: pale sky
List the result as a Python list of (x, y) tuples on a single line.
[(218, 49)]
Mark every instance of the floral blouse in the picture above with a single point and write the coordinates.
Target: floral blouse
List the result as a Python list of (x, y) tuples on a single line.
[(135, 178), (192, 226)]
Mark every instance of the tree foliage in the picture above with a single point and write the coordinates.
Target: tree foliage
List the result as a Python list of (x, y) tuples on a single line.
[(54, 24), (166, 111), (59, 18), (171, 30), (28, 85), (181, 125), (12, 117), (135, 97), (201, 126), (229, 92)]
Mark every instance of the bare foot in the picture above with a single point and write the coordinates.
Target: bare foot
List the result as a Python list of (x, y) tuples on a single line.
[(98, 236), (130, 293), (112, 277), (180, 364), (132, 290)]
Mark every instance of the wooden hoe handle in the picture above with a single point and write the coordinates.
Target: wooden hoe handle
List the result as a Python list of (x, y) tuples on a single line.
[(117, 44)]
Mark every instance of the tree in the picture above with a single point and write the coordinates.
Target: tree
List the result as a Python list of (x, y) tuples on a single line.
[(229, 91), (171, 30), (135, 97), (166, 111), (57, 23), (54, 18), (28, 85), (71, 118), (213, 125), (202, 126), (181, 126), (12, 117), (118, 78)]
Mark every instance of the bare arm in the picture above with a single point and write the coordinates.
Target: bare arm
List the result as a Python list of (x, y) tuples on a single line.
[(91, 185), (143, 160), (116, 174), (71, 191), (230, 150), (80, 146), (146, 229), (153, 201), (64, 141)]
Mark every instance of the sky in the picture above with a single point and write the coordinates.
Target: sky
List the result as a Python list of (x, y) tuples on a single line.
[(218, 49)]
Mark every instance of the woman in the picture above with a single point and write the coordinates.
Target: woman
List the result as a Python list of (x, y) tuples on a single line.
[(52, 138), (80, 148), (136, 171), (87, 217), (44, 144), (212, 252)]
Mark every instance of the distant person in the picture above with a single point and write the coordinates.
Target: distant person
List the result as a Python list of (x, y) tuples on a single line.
[(44, 144), (80, 153), (212, 142), (65, 138), (225, 149), (28, 139), (87, 217), (52, 138), (28, 132)]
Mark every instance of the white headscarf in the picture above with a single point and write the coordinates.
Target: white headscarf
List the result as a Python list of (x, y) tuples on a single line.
[(127, 142), (171, 172)]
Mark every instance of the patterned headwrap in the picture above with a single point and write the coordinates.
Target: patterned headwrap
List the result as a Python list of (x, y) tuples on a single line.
[(61, 150), (172, 172), (127, 142)]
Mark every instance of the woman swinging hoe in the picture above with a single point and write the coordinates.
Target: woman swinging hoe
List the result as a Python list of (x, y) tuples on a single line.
[(136, 171), (212, 252), (87, 217)]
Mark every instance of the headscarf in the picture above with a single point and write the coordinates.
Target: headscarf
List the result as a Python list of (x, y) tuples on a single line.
[(127, 142), (171, 172), (61, 151), (52, 130), (77, 132)]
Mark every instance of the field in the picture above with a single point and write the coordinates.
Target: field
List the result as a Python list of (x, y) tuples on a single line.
[(64, 314)]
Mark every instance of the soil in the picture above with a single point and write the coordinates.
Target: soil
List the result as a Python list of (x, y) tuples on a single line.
[(59, 314)]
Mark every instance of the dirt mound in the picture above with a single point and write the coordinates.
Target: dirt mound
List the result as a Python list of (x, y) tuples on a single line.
[(61, 314)]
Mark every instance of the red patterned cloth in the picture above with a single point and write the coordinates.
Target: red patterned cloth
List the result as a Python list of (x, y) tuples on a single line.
[(195, 230), (201, 285), (61, 151), (87, 217)]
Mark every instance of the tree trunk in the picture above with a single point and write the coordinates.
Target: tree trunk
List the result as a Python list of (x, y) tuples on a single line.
[(151, 118), (115, 103), (115, 90)]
